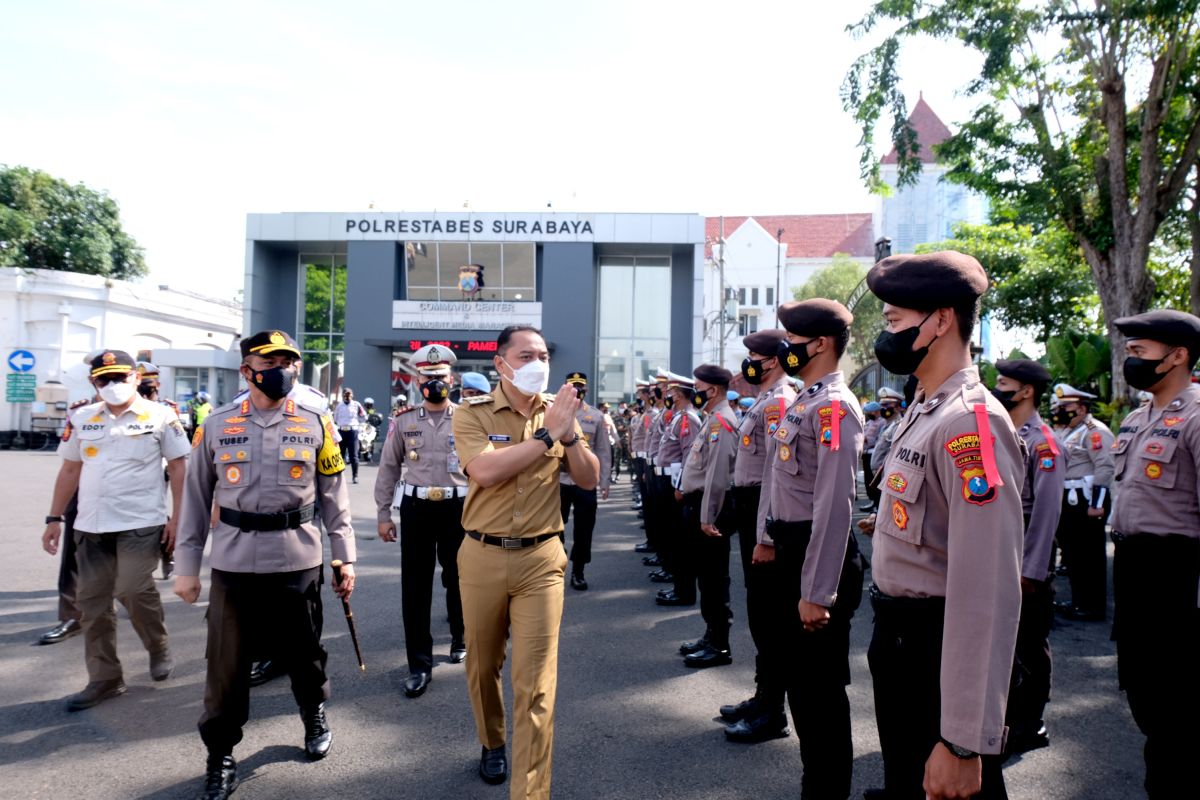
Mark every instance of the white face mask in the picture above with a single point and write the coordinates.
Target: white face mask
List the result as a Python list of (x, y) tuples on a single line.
[(117, 394), (530, 379)]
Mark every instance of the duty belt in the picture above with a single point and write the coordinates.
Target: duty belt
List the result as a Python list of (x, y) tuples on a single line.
[(434, 492), (280, 521), (512, 542)]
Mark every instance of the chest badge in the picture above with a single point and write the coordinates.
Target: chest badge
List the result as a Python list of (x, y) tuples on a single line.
[(90, 451), (1155, 448), (785, 453), (1171, 422), (1154, 471), (289, 452), (233, 474), (296, 472), (413, 455), (897, 483), (899, 515), (745, 440)]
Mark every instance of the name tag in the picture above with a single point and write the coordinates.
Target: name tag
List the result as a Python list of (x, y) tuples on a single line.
[(499, 437)]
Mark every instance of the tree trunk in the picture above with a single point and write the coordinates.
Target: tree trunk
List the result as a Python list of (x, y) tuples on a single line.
[(1193, 220), (1125, 289)]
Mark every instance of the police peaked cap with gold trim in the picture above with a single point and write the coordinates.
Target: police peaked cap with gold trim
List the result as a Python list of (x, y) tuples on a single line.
[(711, 373), (577, 378), (265, 343), (147, 372), (764, 342), (676, 381), (110, 362), (1066, 393), (888, 393), (928, 281), (816, 317), (434, 359), (1024, 370), (661, 376)]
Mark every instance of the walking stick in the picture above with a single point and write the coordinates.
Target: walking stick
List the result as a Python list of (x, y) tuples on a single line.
[(337, 577)]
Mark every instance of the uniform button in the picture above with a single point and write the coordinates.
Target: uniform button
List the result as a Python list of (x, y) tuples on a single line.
[(516, 513), (520, 491)]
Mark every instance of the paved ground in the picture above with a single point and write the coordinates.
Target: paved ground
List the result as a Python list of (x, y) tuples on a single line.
[(632, 722)]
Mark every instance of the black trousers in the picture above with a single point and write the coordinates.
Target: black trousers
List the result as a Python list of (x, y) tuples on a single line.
[(667, 523), (584, 502), (68, 568), (905, 657), (817, 664), (1157, 629), (253, 616), (431, 532), (1029, 690), (873, 491), (639, 482), (349, 446), (1084, 546), (708, 559), (763, 588)]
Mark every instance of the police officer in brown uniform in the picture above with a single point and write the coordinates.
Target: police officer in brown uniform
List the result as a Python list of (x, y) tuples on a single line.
[(658, 500), (637, 448), (708, 519), (265, 461), (420, 449), (678, 434), (804, 514), (1156, 527), (1086, 500), (512, 445), (595, 429), (948, 543), (1019, 389), (762, 716)]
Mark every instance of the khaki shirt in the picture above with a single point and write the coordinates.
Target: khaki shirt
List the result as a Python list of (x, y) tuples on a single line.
[(596, 430), (677, 437), (1089, 448), (526, 504), (637, 435), (264, 462), (807, 479), (419, 448), (945, 529), (883, 445), (709, 464), (658, 418), (121, 481), (1041, 495), (756, 428)]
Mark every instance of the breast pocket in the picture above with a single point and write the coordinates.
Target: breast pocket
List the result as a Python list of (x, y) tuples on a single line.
[(297, 463), (902, 505), (1155, 462), (414, 442), (139, 447), (787, 445), (233, 467), (1120, 450), (746, 435)]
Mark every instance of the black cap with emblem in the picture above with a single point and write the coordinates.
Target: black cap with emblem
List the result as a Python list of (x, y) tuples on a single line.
[(764, 342), (712, 374), (928, 281), (1025, 371), (816, 317), (1174, 328), (264, 343), (108, 362), (577, 378)]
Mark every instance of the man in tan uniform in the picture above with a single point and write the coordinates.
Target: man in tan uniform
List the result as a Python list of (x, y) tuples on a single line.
[(265, 462), (680, 430), (596, 429), (512, 445), (1156, 527), (804, 515), (420, 449), (946, 559), (660, 503)]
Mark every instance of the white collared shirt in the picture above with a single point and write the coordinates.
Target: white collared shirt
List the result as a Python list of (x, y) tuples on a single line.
[(347, 415)]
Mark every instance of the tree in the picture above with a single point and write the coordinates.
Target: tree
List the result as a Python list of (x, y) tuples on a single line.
[(838, 282), (1102, 126), (46, 223)]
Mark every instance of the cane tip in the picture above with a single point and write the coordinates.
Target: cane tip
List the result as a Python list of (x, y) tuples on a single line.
[(337, 562), (362, 667)]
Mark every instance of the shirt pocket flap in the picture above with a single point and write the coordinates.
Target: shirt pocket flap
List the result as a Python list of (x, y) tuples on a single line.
[(1155, 462), (1159, 449), (902, 507)]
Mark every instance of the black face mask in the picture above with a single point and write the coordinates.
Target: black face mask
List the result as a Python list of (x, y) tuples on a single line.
[(668, 403), (1005, 398), (1140, 372), (895, 350), (147, 390), (752, 371), (794, 357), (657, 393), (275, 382), (888, 412), (700, 399), (1061, 417), (435, 391)]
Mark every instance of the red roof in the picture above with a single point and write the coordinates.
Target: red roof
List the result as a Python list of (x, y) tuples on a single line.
[(806, 235), (930, 131)]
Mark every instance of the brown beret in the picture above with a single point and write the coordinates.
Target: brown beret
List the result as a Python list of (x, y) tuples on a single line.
[(1023, 370), (927, 281), (816, 317), (1175, 328), (711, 373), (764, 342)]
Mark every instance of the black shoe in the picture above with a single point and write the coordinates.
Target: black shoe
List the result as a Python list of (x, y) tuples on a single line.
[(687, 648), (1062, 570), (743, 710), (161, 665), (61, 632), (652, 561), (355, 479), (1083, 615), (710, 656), (168, 568), (1063, 605), (757, 729), (95, 693), (874, 794), (662, 576), (493, 765), (317, 736), (644, 547), (867, 506), (417, 683), (1024, 740), (221, 778), (264, 671), (672, 599), (458, 653), (577, 581)]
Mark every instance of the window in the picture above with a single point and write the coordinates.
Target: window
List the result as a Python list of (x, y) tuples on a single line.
[(324, 321), (747, 324), (634, 333), (770, 295), (754, 296), (471, 271), (742, 296)]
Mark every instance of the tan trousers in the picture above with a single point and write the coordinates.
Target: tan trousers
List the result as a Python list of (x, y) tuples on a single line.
[(119, 565), (517, 591)]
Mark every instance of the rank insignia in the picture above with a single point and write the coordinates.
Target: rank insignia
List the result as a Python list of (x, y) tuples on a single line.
[(306, 454), (90, 451), (897, 483), (289, 453), (296, 472), (233, 474), (746, 440), (1171, 422), (1154, 471), (234, 429), (224, 457), (290, 419), (785, 453), (1155, 448), (96, 419), (899, 515), (143, 417), (234, 420)]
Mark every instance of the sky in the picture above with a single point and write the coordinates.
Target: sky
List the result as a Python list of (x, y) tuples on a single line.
[(192, 116)]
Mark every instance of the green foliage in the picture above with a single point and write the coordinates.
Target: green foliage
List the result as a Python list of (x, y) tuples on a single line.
[(46, 223), (1082, 360), (838, 282), (323, 314)]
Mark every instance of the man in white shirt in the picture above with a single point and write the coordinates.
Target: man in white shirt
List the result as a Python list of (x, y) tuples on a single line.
[(348, 415)]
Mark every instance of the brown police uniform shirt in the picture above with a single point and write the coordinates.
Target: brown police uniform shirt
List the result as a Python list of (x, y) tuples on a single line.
[(419, 449), (709, 464), (1089, 448), (946, 528), (659, 417), (1041, 495), (811, 476), (526, 504), (263, 462), (595, 429), (637, 435), (756, 428), (677, 437)]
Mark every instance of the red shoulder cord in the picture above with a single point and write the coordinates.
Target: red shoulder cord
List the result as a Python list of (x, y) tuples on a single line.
[(835, 426), (728, 428), (987, 447), (1049, 434)]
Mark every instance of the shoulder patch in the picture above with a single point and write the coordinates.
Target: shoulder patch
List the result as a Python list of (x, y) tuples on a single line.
[(478, 399), (198, 436), (1097, 440)]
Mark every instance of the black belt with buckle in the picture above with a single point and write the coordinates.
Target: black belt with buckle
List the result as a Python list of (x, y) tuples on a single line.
[(281, 521), (512, 542)]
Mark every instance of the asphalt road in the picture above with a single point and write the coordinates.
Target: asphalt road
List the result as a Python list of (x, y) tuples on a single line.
[(632, 722)]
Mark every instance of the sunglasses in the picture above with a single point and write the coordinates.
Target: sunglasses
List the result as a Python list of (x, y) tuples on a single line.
[(105, 380)]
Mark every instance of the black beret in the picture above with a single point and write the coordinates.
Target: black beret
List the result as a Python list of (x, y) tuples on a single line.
[(264, 343), (1023, 370), (112, 361), (927, 281), (711, 373), (577, 377), (764, 342), (816, 317), (1175, 328)]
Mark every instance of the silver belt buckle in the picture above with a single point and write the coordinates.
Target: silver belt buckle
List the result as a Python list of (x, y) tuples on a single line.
[(435, 493), (510, 544)]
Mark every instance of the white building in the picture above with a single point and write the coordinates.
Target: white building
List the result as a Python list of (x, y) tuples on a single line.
[(59, 317)]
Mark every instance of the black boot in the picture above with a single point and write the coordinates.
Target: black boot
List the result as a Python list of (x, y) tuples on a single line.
[(760, 727), (220, 779), (317, 736), (744, 709)]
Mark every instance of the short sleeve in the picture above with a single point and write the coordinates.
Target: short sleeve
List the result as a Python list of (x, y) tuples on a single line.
[(470, 436), (173, 439), (68, 446)]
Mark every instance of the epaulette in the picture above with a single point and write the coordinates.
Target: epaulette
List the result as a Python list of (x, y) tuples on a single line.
[(483, 398), (78, 404), (407, 409), (228, 406)]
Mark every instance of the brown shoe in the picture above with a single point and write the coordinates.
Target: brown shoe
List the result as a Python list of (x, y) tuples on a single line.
[(95, 693)]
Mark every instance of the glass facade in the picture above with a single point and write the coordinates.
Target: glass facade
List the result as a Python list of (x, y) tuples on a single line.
[(324, 314), (470, 271), (635, 332)]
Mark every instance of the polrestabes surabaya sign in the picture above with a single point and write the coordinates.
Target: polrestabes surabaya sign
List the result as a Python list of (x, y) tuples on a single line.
[(482, 227)]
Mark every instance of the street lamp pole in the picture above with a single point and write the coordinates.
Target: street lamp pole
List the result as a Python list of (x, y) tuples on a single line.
[(721, 281), (778, 266)]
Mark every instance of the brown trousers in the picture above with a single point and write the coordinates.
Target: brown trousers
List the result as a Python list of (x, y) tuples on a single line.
[(518, 592), (118, 565)]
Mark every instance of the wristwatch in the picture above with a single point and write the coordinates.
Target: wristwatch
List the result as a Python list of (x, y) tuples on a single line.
[(544, 435), (53, 518), (571, 442), (959, 752)]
